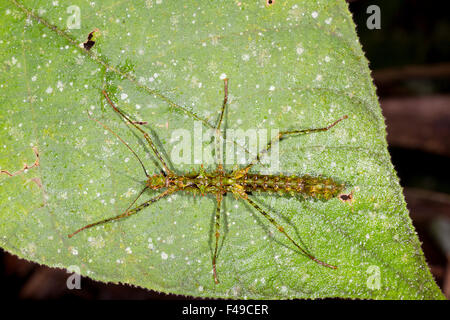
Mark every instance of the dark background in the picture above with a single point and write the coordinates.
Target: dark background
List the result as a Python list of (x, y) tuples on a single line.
[(409, 57)]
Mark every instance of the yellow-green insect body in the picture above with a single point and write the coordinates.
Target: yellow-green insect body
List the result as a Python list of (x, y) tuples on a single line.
[(241, 183)]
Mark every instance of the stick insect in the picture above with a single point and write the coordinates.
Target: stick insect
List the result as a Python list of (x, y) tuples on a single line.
[(240, 182)]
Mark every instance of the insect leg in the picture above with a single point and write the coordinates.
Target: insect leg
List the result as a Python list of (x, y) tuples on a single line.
[(128, 212), (167, 171), (219, 197), (218, 142), (217, 235), (289, 133), (225, 99), (280, 228), (217, 129)]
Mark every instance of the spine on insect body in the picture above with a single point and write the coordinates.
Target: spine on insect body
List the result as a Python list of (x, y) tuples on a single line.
[(305, 185), (216, 182)]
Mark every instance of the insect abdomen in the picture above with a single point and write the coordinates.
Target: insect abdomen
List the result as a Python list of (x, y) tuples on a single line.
[(308, 186)]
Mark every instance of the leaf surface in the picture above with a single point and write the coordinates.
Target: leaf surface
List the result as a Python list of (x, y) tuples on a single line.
[(292, 65)]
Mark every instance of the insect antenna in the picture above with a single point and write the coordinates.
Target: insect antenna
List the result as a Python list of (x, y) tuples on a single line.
[(167, 171), (121, 140)]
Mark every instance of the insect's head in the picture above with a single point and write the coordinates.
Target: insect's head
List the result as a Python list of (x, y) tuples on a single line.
[(157, 182)]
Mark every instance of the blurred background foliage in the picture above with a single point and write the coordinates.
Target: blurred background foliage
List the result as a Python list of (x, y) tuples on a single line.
[(409, 59)]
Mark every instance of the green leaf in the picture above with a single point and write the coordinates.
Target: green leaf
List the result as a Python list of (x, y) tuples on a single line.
[(292, 65)]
